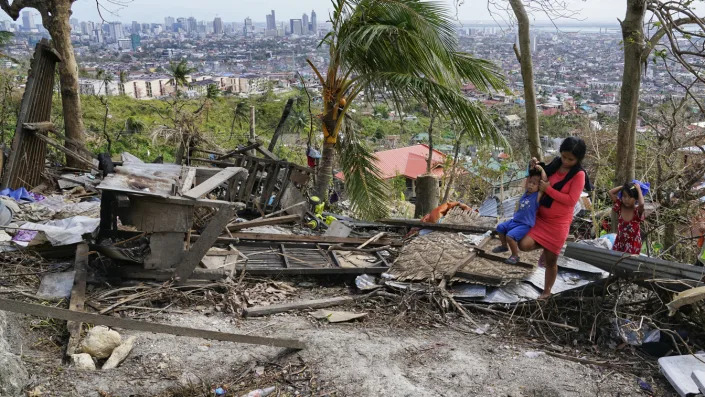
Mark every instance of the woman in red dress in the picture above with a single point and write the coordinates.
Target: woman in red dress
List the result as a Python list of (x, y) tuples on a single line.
[(566, 180)]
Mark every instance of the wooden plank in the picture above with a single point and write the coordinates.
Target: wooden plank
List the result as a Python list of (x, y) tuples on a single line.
[(78, 297), (268, 189), (305, 239), (213, 182), (264, 222), (285, 257), (41, 127), (308, 304), (136, 272), (66, 151), (204, 243), (144, 326), (240, 151), (188, 180), (266, 153), (436, 226)]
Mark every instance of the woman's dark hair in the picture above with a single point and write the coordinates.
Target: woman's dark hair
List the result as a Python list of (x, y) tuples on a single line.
[(574, 145), (630, 190)]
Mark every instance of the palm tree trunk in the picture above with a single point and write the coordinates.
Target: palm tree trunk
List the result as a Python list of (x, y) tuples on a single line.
[(60, 30), (325, 170), (527, 75)]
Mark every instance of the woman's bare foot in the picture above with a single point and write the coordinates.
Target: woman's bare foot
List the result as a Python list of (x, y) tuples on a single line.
[(544, 296)]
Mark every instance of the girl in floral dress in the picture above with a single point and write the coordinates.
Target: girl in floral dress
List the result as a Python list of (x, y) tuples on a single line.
[(630, 209)]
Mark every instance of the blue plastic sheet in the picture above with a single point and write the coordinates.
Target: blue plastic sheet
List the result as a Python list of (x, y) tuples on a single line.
[(21, 194)]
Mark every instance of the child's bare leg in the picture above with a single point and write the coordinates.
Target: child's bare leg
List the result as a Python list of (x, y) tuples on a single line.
[(503, 239), (513, 246), (528, 244), (551, 273)]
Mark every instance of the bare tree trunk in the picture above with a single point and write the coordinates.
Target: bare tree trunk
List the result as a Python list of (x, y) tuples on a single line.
[(280, 127), (57, 23), (523, 54), (429, 161), (452, 170), (252, 128), (633, 42)]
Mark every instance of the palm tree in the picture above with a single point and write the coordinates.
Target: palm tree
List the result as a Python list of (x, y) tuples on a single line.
[(408, 48), (212, 92), (298, 120), (241, 113), (178, 72)]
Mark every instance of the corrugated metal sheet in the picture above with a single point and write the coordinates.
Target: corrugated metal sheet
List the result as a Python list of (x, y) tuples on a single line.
[(147, 179)]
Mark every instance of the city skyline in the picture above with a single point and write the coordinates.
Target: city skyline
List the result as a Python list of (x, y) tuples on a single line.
[(597, 11)]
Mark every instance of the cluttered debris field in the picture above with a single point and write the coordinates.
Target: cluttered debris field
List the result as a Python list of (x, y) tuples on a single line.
[(224, 276)]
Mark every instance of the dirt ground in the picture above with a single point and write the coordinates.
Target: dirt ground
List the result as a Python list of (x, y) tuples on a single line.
[(366, 358)]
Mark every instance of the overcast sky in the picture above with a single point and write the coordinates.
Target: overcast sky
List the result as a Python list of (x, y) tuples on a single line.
[(593, 11)]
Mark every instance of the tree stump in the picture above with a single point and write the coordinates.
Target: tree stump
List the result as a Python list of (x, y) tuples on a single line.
[(427, 192)]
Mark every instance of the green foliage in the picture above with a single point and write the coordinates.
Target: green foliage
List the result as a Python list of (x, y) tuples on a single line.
[(368, 193), (398, 186)]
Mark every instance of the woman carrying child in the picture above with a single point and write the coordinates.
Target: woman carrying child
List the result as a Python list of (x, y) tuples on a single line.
[(629, 206), (566, 180)]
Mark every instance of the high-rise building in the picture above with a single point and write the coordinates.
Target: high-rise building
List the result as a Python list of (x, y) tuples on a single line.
[(181, 24), (27, 20), (218, 25), (304, 24), (271, 21), (136, 27), (84, 28), (115, 31), (192, 25), (296, 27), (98, 36), (136, 41), (146, 28), (169, 23), (314, 23), (248, 29)]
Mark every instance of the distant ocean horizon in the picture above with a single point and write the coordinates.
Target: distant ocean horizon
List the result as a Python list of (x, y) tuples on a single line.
[(566, 27)]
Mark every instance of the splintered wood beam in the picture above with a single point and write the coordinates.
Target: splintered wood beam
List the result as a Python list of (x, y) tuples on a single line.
[(264, 222), (188, 180), (204, 243), (66, 151), (213, 182), (41, 127), (144, 326), (292, 238), (78, 297)]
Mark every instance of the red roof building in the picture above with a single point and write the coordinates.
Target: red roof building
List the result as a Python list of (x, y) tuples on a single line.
[(408, 161)]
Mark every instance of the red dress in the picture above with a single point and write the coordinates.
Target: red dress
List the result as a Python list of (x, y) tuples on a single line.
[(553, 224), (628, 233)]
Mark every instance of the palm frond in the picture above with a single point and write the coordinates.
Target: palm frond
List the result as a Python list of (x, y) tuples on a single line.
[(406, 36), (368, 193), (444, 100), (482, 73)]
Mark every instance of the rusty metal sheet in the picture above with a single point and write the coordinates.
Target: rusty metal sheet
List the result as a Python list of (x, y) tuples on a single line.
[(159, 180)]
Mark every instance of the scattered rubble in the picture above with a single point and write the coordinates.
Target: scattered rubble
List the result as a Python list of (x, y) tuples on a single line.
[(83, 361), (120, 353), (100, 341)]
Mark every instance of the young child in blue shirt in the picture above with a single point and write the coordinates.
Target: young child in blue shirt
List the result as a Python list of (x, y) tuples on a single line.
[(513, 230)]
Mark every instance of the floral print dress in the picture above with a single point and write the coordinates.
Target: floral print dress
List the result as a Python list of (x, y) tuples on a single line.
[(628, 232)]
